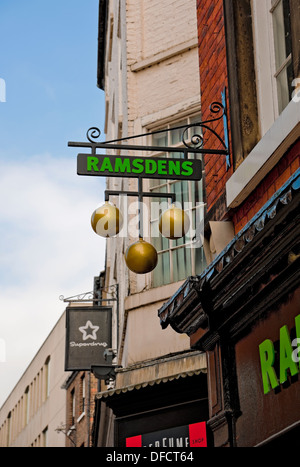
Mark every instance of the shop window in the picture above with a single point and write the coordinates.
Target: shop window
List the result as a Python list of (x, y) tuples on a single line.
[(177, 259)]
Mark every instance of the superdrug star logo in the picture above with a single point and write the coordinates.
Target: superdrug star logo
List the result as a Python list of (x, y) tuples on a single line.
[(89, 331)]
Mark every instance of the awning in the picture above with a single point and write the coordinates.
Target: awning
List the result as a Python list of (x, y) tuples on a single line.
[(136, 387)]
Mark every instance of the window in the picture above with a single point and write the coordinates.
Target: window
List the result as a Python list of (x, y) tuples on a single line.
[(9, 429), (47, 378), (82, 391), (283, 51), (177, 259), (72, 421), (45, 438), (27, 406), (273, 25)]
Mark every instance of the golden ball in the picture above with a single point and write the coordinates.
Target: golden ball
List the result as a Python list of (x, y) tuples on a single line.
[(174, 223), (141, 257), (107, 220)]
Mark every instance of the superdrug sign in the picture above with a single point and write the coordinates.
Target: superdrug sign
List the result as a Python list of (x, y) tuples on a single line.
[(88, 335)]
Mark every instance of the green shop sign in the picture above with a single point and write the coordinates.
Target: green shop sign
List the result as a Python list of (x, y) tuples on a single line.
[(143, 167), (281, 359)]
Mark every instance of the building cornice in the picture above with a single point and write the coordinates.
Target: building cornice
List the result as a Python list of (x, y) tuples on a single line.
[(165, 55)]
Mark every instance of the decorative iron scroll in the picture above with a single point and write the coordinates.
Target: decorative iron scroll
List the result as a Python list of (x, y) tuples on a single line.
[(197, 140), (192, 144), (94, 133), (93, 296)]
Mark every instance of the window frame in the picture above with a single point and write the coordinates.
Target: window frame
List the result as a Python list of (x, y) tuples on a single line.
[(82, 394), (287, 60), (265, 63), (175, 245)]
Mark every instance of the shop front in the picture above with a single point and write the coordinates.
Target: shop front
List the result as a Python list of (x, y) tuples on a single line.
[(248, 322), (267, 365), (167, 413)]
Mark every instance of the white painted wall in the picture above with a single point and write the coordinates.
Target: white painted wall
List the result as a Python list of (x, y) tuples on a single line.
[(152, 76), (50, 411)]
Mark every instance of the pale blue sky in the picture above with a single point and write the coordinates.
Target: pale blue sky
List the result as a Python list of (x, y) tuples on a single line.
[(48, 59)]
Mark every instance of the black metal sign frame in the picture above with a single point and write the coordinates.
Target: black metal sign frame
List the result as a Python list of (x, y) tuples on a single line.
[(193, 145), (88, 337), (141, 167), (192, 169)]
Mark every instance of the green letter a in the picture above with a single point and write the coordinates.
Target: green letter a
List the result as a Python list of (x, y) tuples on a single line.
[(286, 353)]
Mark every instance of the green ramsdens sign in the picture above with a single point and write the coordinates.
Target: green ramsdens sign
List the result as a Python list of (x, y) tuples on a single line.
[(276, 365), (144, 167)]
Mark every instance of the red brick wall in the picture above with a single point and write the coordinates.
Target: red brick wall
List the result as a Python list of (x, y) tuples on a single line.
[(213, 79), (79, 436), (285, 168)]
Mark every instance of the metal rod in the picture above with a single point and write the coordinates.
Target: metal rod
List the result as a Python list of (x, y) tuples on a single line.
[(66, 300), (140, 195), (109, 193), (117, 311), (141, 213), (225, 125), (130, 147), (155, 132)]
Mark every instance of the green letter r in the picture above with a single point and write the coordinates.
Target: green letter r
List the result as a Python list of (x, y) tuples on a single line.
[(267, 358)]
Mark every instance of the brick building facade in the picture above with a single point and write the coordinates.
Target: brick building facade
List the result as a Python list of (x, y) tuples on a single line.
[(81, 388), (214, 79), (280, 174), (215, 56)]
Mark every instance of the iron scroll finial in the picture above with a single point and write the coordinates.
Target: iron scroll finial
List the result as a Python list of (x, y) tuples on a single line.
[(196, 140), (215, 108), (92, 134)]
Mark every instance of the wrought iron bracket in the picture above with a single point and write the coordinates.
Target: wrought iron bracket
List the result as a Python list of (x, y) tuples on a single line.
[(96, 298), (93, 296), (193, 145)]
